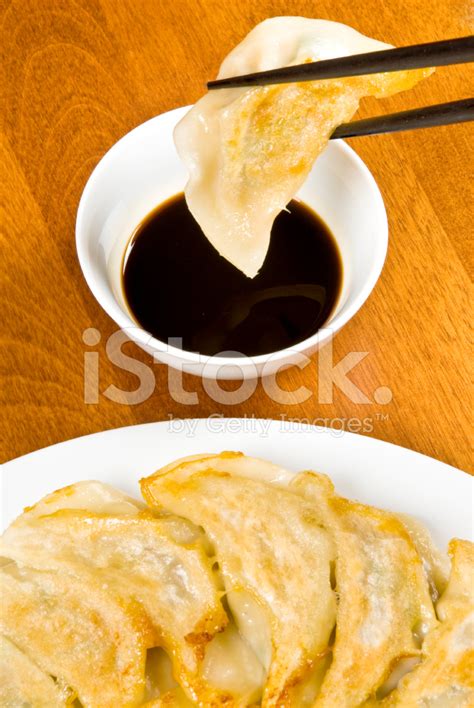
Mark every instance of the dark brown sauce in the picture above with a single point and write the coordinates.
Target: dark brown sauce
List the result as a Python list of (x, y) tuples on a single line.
[(178, 286)]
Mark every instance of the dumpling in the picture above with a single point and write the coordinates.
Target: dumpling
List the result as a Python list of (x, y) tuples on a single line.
[(274, 557), (80, 633), (23, 683), (384, 606), (161, 563), (248, 151), (89, 495), (445, 678), (140, 560), (383, 589), (158, 563)]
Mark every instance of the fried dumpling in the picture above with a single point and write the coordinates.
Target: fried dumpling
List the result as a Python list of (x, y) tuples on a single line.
[(248, 151), (158, 563), (384, 600), (24, 684), (79, 633), (381, 568), (89, 495), (445, 677), (274, 558)]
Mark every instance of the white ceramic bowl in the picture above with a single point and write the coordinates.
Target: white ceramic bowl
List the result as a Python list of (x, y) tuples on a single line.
[(143, 169)]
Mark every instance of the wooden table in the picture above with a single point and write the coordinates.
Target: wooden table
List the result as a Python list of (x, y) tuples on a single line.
[(80, 74)]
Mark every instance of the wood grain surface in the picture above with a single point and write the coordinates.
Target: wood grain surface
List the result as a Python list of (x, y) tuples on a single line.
[(79, 74)]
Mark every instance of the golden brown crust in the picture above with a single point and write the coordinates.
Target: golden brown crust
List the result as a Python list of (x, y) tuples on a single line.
[(383, 593), (158, 564), (273, 554), (275, 537), (446, 676), (23, 683)]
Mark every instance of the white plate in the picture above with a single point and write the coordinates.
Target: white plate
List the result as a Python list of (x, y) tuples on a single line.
[(361, 467)]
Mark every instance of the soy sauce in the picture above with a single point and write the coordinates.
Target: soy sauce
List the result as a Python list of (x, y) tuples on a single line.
[(178, 286)]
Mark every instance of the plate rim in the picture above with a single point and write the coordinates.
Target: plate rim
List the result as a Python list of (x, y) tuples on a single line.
[(307, 427), (367, 469)]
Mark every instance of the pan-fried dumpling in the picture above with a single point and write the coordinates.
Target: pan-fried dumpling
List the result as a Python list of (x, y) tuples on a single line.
[(446, 675), (371, 545), (248, 151), (384, 601), (89, 495), (79, 633), (139, 559), (274, 558), (159, 563), (23, 683)]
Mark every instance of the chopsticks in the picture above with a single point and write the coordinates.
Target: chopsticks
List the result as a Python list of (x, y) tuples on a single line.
[(417, 56), (428, 117)]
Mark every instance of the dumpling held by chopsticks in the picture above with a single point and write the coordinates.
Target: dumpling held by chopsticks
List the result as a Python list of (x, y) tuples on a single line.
[(248, 151)]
